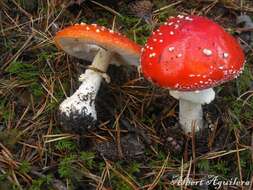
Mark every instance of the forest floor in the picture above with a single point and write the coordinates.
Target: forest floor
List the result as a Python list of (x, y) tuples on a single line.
[(137, 143)]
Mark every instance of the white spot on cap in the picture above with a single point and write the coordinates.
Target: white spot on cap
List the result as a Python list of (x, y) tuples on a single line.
[(188, 18), (172, 33), (180, 16), (191, 75), (160, 33), (207, 52), (97, 30), (151, 48), (82, 23), (155, 40), (221, 67), (94, 24), (111, 31), (166, 23), (176, 85), (161, 41), (179, 55), (171, 49), (152, 55), (87, 28), (176, 26), (225, 55), (142, 50), (171, 23)]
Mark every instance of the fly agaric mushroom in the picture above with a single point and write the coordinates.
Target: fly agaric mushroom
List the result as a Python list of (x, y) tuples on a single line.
[(189, 55), (105, 46)]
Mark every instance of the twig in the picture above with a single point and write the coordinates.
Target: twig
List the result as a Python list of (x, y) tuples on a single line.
[(107, 8), (166, 7)]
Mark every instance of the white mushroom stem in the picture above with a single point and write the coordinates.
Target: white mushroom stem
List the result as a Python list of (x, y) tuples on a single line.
[(82, 102), (190, 114), (190, 107)]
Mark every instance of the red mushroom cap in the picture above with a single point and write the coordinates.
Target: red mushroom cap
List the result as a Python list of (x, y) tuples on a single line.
[(190, 53), (84, 40)]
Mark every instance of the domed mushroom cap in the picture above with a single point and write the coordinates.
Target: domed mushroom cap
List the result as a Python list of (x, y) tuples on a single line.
[(84, 41), (190, 53)]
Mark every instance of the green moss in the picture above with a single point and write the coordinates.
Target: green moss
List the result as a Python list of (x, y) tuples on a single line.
[(246, 164), (245, 79), (29, 74), (24, 167), (23, 71), (65, 168), (5, 113), (120, 185), (134, 167), (220, 168), (65, 145), (203, 165), (42, 183), (102, 22), (36, 90), (9, 137), (88, 158)]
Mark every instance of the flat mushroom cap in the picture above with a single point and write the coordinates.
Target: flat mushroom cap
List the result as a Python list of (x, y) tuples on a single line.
[(84, 41), (190, 53)]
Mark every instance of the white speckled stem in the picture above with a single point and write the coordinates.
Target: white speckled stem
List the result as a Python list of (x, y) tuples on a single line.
[(82, 102), (190, 107), (190, 114)]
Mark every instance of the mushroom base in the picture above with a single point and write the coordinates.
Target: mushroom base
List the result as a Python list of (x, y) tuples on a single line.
[(78, 111), (76, 123)]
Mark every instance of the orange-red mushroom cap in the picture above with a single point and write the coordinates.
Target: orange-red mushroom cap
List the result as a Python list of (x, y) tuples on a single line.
[(84, 40), (190, 53)]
